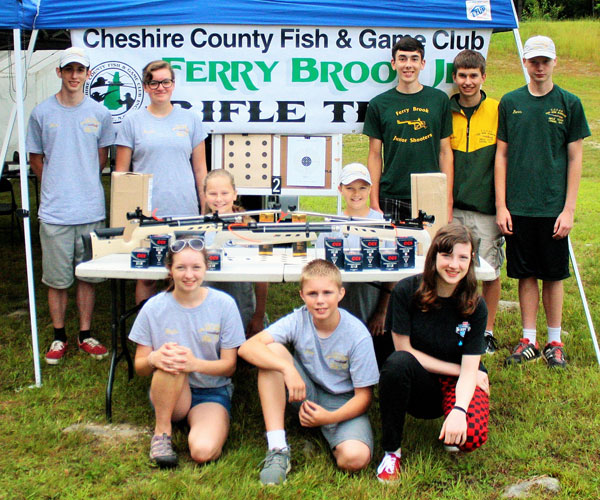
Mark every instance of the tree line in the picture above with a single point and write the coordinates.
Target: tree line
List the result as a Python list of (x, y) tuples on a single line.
[(556, 9)]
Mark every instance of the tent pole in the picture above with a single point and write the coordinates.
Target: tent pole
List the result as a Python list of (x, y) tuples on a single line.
[(517, 36), (13, 112), (518, 42), (25, 205), (584, 300)]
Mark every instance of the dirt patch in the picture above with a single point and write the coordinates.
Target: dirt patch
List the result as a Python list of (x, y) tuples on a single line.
[(121, 432)]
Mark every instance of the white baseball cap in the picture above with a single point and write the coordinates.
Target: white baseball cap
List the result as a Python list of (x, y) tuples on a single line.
[(355, 171), (539, 46), (74, 54)]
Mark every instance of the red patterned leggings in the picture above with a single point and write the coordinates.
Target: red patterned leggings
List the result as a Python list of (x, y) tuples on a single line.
[(477, 413)]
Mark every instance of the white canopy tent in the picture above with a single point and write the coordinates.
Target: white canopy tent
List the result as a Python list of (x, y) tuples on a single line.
[(66, 14)]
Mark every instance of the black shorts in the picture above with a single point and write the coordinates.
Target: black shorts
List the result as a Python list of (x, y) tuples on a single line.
[(532, 252), (396, 209)]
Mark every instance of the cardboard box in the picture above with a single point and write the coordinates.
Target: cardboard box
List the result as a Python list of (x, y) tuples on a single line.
[(128, 191), (429, 193)]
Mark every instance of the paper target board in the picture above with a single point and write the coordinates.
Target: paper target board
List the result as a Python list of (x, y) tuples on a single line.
[(265, 164), (249, 158)]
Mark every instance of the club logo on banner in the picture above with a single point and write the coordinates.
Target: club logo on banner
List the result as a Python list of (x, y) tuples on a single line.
[(117, 86), (268, 79)]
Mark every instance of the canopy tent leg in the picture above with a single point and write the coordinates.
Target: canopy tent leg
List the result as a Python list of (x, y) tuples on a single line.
[(518, 42), (25, 205), (517, 36), (584, 300), (13, 112)]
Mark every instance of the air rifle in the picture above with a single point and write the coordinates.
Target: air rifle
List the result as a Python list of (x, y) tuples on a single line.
[(230, 229)]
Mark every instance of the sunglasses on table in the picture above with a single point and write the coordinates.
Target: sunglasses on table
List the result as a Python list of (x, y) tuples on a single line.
[(167, 83), (195, 244)]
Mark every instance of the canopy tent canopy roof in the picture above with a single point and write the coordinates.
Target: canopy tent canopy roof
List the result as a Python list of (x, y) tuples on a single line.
[(62, 14)]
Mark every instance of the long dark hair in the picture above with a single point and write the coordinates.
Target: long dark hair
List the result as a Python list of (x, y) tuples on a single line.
[(169, 262), (465, 293)]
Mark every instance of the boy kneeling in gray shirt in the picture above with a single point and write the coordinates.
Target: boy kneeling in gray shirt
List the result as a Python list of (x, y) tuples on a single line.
[(329, 377)]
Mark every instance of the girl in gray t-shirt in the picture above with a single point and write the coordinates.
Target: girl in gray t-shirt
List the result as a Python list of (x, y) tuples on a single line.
[(187, 340), (167, 142)]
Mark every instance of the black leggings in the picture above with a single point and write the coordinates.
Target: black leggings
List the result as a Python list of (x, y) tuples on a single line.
[(406, 387)]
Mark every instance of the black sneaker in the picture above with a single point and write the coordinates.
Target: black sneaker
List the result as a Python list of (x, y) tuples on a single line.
[(554, 354), (490, 342), (525, 351)]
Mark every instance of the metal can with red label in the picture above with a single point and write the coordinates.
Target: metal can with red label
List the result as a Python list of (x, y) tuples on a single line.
[(370, 251), (213, 260), (140, 258), (353, 261), (159, 245), (406, 247), (334, 251), (388, 259)]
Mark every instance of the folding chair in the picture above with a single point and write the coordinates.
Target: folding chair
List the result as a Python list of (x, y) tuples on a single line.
[(9, 208)]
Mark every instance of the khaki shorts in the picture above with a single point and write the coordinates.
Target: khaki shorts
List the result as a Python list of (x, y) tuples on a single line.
[(485, 230), (62, 250)]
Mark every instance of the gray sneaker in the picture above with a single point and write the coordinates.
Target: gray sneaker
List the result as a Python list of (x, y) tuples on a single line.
[(277, 464), (161, 451)]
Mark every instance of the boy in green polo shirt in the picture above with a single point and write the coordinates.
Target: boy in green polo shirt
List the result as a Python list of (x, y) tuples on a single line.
[(473, 141), (538, 169)]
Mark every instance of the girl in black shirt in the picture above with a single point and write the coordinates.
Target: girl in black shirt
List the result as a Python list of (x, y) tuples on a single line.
[(437, 321)]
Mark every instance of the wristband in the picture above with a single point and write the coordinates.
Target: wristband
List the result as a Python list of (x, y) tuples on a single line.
[(459, 408)]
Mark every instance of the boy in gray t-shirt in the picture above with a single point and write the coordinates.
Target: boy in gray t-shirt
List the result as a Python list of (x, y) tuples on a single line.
[(329, 378), (67, 141)]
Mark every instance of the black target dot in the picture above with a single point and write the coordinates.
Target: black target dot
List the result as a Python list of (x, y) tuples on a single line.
[(247, 143), (231, 165), (264, 165), (231, 143), (264, 143), (247, 153), (247, 165), (247, 176)]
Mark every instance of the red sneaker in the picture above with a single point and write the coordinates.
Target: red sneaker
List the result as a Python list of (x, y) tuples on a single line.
[(554, 354), (56, 352), (389, 468), (94, 348), (523, 353)]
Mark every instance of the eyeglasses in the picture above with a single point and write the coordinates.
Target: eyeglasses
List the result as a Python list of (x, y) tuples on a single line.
[(195, 244), (167, 83)]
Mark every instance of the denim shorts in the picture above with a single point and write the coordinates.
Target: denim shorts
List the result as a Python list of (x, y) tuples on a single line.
[(221, 395)]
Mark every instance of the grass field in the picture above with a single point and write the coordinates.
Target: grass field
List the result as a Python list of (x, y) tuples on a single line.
[(541, 422)]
